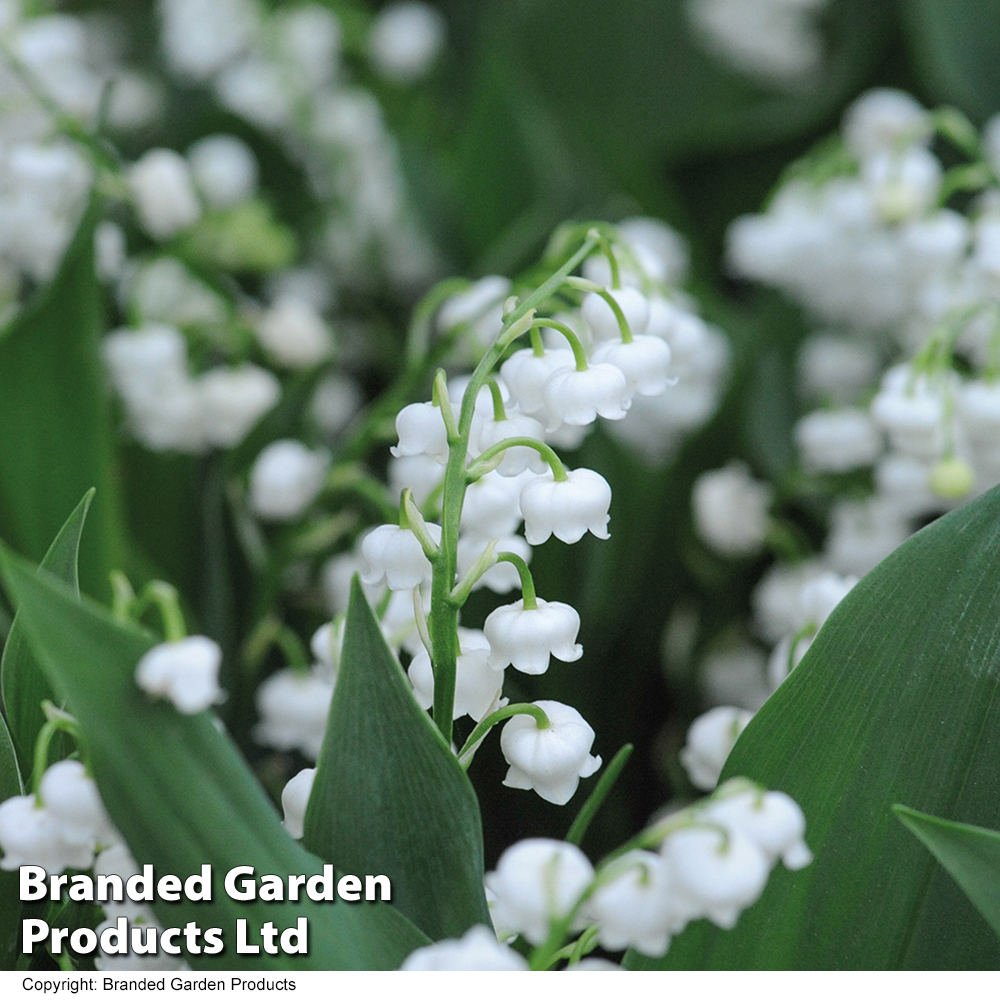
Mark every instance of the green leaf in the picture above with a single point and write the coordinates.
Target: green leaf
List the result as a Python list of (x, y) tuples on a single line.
[(10, 902), (390, 795), (57, 439), (179, 792), (955, 51), (896, 701), (969, 853), (22, 680)]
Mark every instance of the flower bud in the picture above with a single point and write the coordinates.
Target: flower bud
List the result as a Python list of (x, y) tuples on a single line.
[(295, 801), (730, 509), (405, 40), (224, 170), (233, 400)]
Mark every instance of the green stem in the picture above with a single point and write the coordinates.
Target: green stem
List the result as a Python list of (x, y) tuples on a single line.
[(579, 354), (167, 601), (481, 465), (537, 344), (528, 599), (499, 715), (499, 413), (57, 721), (596, 798), (443, 620), (616, 277), (619, 315)]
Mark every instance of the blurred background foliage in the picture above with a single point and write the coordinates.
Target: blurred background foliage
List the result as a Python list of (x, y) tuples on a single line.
[(540, 110)]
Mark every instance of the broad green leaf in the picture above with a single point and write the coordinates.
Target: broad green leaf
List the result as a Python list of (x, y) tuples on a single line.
[(180, 793), (954, 47), (896, 701), (10, 903), (969, 853), (57, 439), (390, 795), (22, 680)]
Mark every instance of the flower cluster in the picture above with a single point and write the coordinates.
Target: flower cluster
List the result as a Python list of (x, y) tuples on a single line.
[(901, 416), (712, 860)]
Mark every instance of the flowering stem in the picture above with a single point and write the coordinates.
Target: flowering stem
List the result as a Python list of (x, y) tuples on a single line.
[(528, 599), (596, 798), (541, 719), (579, 354), (481, 465), (443, 621)]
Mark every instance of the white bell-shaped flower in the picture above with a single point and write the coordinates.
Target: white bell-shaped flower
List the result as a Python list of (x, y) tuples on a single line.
[(294, 334), (70, 795), (730, 509), (492, 504), (631, 907), (715, 873), (420, 474), (233, 400), (326, 645), (293, 707), (525, 374), (552, 760), (478, 950), (644, 363), (710, 740), (421, 431), (525, 638), (163, 191), (406, 37), (821, 595), (394, 554), (536, 882), (295, 801), (185, 672), (566, 508), (579, 397), (224, 169), (285, 479), (477, 685), (772, 820), (837, 440), (519, 458), (30, 836), (601, 317), (913, 413)]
